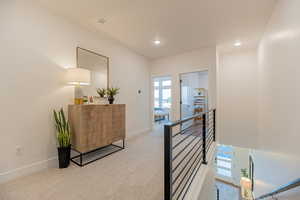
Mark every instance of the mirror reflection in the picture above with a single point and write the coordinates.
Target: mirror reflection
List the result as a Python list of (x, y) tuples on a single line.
[(98, 65)]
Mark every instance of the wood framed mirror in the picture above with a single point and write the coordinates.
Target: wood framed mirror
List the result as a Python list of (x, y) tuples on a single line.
[(98, 65)]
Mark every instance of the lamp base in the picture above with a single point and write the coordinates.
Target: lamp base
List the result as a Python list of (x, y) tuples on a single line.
[(78, 101)]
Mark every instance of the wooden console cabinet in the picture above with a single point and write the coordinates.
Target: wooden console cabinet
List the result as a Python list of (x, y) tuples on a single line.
[(96, 125)]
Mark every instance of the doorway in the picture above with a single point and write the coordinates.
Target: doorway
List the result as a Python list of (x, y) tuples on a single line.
[(162, 88), (232, 163), (193, 94)]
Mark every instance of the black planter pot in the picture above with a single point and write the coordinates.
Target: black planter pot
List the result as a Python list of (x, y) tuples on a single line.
[(64, 154), (111, 100)]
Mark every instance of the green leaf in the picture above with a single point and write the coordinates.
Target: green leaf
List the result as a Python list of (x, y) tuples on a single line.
[(63, 133)]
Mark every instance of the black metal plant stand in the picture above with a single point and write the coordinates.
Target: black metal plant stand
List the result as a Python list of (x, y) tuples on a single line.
[(81, 155)]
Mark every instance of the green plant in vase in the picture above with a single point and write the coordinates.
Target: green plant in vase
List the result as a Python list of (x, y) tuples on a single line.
[(111, 93), (244, 173), (101, 92), (63, 136)]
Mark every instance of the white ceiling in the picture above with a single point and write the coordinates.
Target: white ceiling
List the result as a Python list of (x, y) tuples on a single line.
[(181, 25)]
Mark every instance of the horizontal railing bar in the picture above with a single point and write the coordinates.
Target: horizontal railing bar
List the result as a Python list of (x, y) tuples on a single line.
[(180, 152), (187, 119), (189, 169), (209, 137), (210, 143), (184, 139), (172, 124), (186, 156), (209, 130), (181, 171), (188, 179), (210, 140), (190, 155), (186, 129), (192, 180), (289, 186)]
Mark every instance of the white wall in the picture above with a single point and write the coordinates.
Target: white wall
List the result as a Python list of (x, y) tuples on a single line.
[(272, 170), (35, 47), (203, 80), (241, 161), (204, 59), (238, 98), (279, 80), (279, 101)]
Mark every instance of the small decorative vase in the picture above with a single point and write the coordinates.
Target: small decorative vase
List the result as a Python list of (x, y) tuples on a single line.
[(103, 100), (111, 100), (64, 154)]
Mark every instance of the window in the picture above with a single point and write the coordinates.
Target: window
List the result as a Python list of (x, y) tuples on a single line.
[(224, 161), (166, 83), (224, 172), (166, 98), (162, 92)]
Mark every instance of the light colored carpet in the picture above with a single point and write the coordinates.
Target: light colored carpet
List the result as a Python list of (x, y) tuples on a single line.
[(135, 173)]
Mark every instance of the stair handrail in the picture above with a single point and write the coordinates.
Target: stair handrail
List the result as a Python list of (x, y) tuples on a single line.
[(283, 188)]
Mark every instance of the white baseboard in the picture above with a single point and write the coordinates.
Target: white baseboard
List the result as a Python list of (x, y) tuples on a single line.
[(45, 164), (28, 169)]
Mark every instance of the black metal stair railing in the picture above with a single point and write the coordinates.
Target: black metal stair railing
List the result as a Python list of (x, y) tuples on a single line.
[(186, 144), (281, 189)]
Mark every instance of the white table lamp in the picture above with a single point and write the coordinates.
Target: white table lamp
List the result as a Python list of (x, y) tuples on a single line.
[(78, 77)]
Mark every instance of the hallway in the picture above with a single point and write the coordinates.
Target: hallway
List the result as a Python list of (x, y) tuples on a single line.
[(132, 174)]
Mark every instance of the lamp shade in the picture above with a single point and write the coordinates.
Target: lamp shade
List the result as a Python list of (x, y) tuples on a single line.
[(78, 76)]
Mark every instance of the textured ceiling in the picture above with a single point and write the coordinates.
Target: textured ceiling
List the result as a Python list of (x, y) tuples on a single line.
[(181, 25)]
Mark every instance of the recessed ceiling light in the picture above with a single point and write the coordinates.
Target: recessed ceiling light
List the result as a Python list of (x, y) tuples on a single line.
[(101, 21), (237, 44), (157, 42)]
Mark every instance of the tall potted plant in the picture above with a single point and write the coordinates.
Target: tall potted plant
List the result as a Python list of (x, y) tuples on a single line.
[(63, 136), (111, 93)]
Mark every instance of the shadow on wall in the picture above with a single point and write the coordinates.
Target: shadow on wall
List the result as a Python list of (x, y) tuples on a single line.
[(37, 86)]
